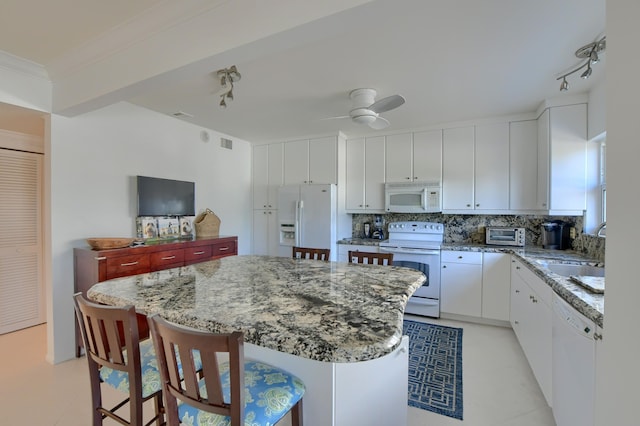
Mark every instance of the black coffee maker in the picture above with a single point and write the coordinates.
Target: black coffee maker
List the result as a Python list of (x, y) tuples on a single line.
[(378, 228), (553, 235)]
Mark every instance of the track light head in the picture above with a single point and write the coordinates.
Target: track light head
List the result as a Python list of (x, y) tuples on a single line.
[(593, 56), (587, 72), (564, 86), (230, 95), (223, 104)]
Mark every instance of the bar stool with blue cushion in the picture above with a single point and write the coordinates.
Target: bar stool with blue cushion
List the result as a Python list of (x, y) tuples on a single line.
[(231, 392), (110, 334)]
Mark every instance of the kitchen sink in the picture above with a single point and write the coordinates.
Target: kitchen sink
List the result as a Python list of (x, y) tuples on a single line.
[(568, 269)]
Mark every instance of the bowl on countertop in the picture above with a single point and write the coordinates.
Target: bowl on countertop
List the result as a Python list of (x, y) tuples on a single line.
[(109, 243)]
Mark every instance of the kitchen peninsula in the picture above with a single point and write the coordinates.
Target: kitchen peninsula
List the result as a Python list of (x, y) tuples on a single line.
[(338, 326)]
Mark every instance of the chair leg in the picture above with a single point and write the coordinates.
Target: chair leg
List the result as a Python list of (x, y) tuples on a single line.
[(296, 414), (157, 402)]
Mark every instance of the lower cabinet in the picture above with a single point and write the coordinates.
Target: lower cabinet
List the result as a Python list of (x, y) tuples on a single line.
[(461, 283), (265, 233), (531, 319), (496, 285)]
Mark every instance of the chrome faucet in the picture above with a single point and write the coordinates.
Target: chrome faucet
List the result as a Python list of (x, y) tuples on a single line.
[(600, 228)]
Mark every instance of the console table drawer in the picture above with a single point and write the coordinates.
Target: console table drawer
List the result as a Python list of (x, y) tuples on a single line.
[(224, 249), (167, 258), (123, 266), (197, 254)]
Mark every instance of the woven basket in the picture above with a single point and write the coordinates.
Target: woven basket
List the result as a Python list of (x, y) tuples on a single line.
[(207, 224)]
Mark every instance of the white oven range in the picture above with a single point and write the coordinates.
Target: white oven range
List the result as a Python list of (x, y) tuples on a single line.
[(417, 245)]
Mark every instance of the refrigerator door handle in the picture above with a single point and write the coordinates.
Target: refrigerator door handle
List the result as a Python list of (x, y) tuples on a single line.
[(297, 224)]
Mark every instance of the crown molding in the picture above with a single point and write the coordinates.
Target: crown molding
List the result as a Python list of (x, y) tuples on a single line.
[(22, 66), (146, 25)]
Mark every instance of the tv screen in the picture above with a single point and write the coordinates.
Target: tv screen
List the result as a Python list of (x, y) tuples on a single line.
[(165, 197)]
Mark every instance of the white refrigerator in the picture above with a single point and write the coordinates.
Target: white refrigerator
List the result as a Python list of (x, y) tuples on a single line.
[(307, 217)]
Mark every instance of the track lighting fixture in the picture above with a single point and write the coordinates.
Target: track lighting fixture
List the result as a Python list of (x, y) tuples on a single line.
[(590, 52), (227, 77)]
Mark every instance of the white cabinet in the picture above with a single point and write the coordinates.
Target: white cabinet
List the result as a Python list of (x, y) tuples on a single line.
[(311, 161), (365, 175), (562, 153), (414, 157), (398, 152), (461, 283), (523, 152), (475, 168), (265, 232), (531, 319), (343, 250), (496, 285), (267, 175), (427, 156), (491, 179), (457, 168)]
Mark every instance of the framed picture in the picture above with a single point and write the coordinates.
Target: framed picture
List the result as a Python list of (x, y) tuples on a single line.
[(147, 227), (168, 227), (186, 226)]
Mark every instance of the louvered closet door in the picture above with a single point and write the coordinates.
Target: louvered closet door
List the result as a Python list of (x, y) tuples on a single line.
[(21, 288)]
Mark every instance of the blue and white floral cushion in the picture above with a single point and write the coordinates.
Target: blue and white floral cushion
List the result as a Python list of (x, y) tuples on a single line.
[(269, 393), (149, 369)]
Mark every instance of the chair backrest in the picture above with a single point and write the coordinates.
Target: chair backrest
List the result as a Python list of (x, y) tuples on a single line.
[(371, 258), (177, 345), (107, 332), (311, 253)]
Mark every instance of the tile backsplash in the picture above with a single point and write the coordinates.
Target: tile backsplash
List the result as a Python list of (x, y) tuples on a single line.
[(471, 228)]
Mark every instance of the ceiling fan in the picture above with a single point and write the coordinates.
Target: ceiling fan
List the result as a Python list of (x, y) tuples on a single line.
[(366, 110)]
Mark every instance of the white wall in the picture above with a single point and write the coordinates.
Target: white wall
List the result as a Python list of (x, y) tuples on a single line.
[(598, 108), (618, 374), (94, 160)]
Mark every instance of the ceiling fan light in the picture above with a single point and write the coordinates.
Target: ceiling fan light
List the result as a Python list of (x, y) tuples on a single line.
[(364, 119)]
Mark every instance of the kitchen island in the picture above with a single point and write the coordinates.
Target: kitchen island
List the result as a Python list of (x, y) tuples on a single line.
[(338, 326)]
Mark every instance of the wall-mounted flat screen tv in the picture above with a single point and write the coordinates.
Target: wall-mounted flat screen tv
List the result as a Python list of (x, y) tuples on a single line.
[(165, 197)]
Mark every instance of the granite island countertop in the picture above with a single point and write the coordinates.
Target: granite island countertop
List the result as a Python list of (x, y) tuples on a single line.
[(325, 311)]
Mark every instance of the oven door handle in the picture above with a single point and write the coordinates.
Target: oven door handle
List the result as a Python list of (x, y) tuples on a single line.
[(410, 251)]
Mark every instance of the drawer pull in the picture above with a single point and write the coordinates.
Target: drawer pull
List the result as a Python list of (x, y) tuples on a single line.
[(129, 264), (198, 252), (168, 258), (223, 249), (100, 258)]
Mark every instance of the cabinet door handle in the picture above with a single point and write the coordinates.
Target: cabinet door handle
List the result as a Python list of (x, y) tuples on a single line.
[(168, 258), (517, 291), (223, 249), (198, 252), (459, 257), (468, 205), (129, 264), (100, 258), (444, 266), (477, 205)]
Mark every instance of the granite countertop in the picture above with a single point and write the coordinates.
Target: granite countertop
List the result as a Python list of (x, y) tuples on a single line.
[(361, 241), (588, 303), (325, 311)]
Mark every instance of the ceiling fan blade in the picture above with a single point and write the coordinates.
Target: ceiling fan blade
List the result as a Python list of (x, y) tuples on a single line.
[(387, 104), (335, 118), (379, 124)]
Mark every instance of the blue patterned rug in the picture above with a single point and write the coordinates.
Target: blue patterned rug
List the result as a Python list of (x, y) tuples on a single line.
[(435, 368)]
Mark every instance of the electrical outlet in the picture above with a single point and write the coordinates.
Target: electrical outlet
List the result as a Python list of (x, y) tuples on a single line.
[(572, 233), (357, 226)]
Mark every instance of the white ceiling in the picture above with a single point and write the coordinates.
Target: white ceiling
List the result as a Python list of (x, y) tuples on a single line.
[(453, 60)]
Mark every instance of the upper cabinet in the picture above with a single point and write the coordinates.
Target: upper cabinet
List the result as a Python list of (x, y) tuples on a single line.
[(523, 153), (414, 157), (492, 167), (267, 175), (562, 154), (311, 161), (457, 168), (365, 174), (475, 168)]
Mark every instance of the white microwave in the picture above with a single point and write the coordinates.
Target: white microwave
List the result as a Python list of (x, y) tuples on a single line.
[(412, 197)]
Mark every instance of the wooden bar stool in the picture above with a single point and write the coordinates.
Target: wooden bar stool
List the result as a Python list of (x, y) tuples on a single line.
[(311, 253), (370, 258), (226, 392)]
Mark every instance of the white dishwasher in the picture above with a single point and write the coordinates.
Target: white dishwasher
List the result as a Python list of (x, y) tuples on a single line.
[(574, 359)]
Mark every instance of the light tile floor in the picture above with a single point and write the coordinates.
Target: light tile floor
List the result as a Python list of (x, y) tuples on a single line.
[(498, 386)]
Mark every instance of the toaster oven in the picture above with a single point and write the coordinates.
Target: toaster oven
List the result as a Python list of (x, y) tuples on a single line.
[(505, 236)]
